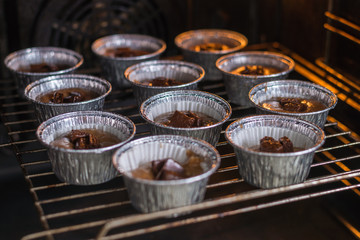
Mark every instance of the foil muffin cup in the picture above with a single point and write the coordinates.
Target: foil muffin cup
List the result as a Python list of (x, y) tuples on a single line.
[(39, 55), (113, 67), (187, 100), (40, 87), (187, 40), (152, 195), (188, 73), (271, 170), (237, 86), (84, 166), (294, 89)]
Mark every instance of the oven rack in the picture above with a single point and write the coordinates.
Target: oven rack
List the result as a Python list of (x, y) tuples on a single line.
[(104, 211), (346, 29)]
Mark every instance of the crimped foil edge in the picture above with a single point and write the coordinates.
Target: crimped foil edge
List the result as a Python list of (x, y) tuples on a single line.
[(202, 34), (126, 40), (164, 68), (267, 58), (277, 121)]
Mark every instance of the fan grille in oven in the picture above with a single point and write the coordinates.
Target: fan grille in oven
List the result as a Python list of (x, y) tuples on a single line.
[(76, 24)]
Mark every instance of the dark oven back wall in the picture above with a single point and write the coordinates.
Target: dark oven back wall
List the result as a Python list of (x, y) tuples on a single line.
[(296, 24)]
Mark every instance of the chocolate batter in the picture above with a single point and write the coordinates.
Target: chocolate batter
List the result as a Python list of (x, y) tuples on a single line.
[(209, 47), (124, 52), (85, 139), (170, 169), (255, 70), (185, 119), (44, 67), (68, 95), (293, 105), (161, 82)]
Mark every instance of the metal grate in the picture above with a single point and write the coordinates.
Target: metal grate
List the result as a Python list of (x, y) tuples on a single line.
[(342, 46), (104, 211)]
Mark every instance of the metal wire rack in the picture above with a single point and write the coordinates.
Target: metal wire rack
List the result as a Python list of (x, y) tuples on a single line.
[(105, 212), (347, 31)]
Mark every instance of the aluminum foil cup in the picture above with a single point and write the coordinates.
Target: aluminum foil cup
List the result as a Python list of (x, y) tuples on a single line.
[(188, 73), (38, 55), (185, 41), (270, 170), (113, 67), (238, 85), (45, 111), (294, 89), (151, 195), (84, 166), (187, 100)]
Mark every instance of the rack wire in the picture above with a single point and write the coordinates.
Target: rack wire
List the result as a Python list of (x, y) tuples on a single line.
[(105, 212), (348, 31)]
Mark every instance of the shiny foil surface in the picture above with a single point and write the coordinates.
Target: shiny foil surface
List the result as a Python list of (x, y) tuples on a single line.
[(38, 55), (294, 89), (188, 73), (207, 59), (45, 111), (113, 67), (187, 100), (238, 85), (271, 170), (151, 195), (84, 166)]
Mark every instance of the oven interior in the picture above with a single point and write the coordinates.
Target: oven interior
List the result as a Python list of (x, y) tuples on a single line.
[(322, 38)]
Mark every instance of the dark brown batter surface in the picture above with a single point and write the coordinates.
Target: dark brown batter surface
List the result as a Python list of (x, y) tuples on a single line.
[(293, 105), (68, 95), (185, 119), (255, 70), (269, 144), (85, 139), (161, 82), (210, 47), (44, 67), (170, 169), (124, 52)]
